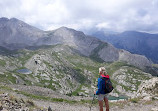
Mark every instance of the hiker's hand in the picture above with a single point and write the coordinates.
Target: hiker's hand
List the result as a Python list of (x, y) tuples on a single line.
[(94, 92)]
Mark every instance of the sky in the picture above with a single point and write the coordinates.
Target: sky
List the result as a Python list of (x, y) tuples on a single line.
[(113, 15)]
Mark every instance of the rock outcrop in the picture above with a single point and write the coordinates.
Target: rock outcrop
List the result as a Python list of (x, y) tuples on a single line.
[(148, 89), (128, 79), (11, 103), (134, 59)]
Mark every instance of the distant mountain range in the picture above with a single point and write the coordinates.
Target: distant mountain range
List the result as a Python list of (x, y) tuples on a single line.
[(134, 42), (16, 34)]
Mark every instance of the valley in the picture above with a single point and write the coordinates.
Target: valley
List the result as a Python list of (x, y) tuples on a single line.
[(61, 67)]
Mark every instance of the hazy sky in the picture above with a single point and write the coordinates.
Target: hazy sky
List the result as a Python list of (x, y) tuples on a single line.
[(116, 15)]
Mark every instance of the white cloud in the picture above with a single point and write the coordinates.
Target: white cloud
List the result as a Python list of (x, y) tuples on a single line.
[(117, 15), (103, 25)]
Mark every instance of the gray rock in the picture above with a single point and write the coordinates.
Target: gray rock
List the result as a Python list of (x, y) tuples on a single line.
[(148, 88), (134, 59), (154, 109)]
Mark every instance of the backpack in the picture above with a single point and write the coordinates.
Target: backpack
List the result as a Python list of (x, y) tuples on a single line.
[(108, 85)]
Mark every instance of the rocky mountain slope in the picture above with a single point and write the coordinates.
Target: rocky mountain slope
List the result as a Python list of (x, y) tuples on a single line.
[(63, 70), (148, 89), (62, 65), (17, 34), (133, 41)]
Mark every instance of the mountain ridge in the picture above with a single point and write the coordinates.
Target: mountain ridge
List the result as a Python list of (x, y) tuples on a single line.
[(23, 35), (135, 42), (17, 32)]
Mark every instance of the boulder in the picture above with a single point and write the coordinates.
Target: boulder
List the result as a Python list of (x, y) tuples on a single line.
[(148, 89)]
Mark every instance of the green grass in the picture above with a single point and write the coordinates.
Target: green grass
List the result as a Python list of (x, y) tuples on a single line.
[(56, 56), (3, 78), (57, 99), (5, 87), (77, 91), (32, 96), (7, 78), (70, 83), (79, 75), (115, 66), (94, 55), (46, 98), (23, 77), (155, 65), (82, 63), (134, 100), (2, 63), (11, 78), (77, 69), (53, 87), (49, 66), (25, 56)]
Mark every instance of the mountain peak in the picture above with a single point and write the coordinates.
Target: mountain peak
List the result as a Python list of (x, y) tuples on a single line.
[(15, 20), (3, 18), (68, 32), (63, 28), (130, 32), (14, 31)]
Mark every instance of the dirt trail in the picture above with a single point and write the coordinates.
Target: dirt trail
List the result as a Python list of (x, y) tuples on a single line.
[(61, 106), (70, 107)]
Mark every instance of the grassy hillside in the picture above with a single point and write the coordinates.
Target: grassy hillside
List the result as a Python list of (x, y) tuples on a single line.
[(63, 70)]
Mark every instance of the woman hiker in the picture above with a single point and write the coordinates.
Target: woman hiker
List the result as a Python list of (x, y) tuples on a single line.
[(101, 89)]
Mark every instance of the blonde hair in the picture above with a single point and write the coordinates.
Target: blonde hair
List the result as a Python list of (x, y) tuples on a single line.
[(102, 70)]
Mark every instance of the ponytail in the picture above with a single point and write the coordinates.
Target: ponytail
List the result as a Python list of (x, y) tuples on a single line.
[(104, 72)]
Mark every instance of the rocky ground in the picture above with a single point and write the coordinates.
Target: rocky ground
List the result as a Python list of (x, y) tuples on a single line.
[(10, 103), (34, 98), (148, 106), (119, 106)]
